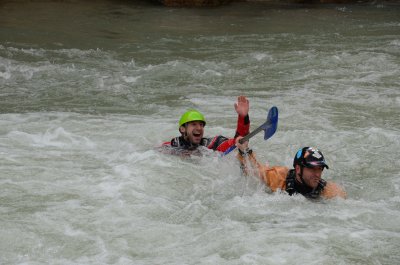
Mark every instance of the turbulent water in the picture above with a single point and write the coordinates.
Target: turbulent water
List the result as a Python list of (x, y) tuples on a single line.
[(89, 89)]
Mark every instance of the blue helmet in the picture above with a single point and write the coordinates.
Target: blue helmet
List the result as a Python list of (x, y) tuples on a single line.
[(309, 157)]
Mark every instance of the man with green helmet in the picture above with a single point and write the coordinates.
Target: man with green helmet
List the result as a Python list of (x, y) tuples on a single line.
[(191, 127)]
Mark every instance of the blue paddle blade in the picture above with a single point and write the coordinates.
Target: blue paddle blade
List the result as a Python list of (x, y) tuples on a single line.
[(272, 123)]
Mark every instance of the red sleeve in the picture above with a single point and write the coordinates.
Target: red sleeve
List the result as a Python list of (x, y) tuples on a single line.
[(225, 145), (221, 144), (166, 144), (243, 126)]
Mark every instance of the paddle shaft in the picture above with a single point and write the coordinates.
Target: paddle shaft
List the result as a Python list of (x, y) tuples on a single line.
[(247, 137)]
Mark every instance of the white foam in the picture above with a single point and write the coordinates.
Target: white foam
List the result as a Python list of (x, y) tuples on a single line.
[(395, 43), (130, 79), (262, 56), (56, 137)]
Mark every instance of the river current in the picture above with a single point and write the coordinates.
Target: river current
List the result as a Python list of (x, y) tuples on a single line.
[(89, 89)]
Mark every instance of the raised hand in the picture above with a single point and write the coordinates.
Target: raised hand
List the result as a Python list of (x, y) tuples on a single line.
[(242, 106)]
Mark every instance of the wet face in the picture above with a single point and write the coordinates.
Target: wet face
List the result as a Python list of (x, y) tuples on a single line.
[(193, 131), (311, 176)]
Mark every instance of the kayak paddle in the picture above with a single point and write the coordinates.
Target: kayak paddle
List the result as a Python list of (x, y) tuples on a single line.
[(269, 128)]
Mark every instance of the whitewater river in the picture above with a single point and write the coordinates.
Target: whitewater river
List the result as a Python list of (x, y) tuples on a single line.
[(89, 89)]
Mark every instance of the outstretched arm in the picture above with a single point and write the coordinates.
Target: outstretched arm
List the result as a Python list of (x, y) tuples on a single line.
[(223, 144), (273, 177), (244, 153), (242, 109)]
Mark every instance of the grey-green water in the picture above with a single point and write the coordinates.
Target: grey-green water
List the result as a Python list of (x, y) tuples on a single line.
[(89, 88)]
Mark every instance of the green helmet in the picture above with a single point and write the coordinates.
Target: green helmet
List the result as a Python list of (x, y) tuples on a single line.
[(191, 115)]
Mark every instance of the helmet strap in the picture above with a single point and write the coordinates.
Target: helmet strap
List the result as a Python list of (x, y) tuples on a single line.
[(183, 133), (301, 176)]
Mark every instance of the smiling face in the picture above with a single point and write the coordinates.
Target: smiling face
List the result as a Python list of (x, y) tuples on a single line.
[(193, 131), (311, 176)]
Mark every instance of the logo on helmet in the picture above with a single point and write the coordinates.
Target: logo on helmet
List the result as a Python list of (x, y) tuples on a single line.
[(309, 157)]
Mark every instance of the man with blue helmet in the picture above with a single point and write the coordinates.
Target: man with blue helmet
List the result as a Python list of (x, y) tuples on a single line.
[(304, 178)]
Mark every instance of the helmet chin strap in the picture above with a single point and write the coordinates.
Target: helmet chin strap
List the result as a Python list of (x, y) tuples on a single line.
[(185, 136), (301, 176), (185, 133)]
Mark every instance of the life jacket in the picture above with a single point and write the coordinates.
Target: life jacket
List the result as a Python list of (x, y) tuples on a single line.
[(294, 187), (216, 143)]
